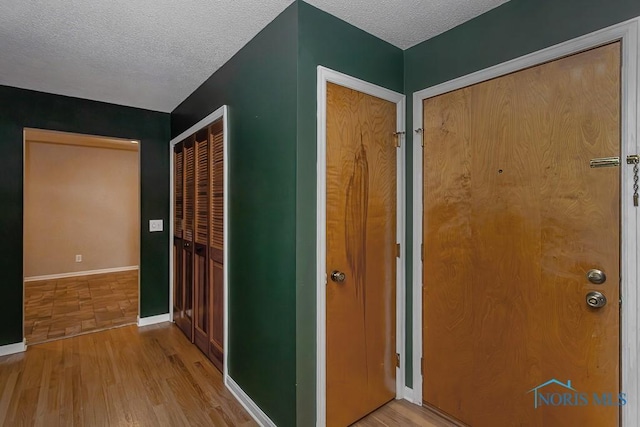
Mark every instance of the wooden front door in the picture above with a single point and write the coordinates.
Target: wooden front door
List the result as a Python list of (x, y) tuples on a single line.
[(513, 220), (361, 244)]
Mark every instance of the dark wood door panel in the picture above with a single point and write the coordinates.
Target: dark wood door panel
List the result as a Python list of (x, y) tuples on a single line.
[(198, 253)]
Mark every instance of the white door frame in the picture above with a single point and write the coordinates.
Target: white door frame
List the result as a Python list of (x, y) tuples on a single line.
[(222, 112), (326, 75), (630, 104)]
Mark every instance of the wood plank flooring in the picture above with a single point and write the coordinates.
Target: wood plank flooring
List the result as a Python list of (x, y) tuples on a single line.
[(62, 308), (151, 376), (401, 413)]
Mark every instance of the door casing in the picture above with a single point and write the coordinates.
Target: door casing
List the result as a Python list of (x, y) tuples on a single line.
[(326, 75), (628, 33), (220, 113)]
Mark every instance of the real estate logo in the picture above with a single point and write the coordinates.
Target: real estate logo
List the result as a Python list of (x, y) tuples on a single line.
[(572, 397)]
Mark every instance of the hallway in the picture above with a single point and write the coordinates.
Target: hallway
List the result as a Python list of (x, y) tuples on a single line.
[(148, 376)]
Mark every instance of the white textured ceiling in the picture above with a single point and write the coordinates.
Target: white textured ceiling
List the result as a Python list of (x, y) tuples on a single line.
[(153, 53)]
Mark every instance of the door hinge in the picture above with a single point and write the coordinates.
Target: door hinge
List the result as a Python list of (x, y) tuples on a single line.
[(421, 251), (421, 367), (398, 135), (421, 132), (397, 250), (397, 360)]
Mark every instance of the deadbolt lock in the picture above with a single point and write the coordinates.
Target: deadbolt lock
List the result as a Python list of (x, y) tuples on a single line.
[(596, 299), (597, 277)]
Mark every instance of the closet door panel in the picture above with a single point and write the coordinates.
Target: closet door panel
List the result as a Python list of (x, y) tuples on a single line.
[(217, 310), (180, 254), (201, 226), (186, 321), (216, 241)]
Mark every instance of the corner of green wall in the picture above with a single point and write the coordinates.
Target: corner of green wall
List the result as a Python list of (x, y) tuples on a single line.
[(323, 40)]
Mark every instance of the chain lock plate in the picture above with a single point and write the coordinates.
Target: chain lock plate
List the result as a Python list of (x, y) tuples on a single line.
[(634, 160)]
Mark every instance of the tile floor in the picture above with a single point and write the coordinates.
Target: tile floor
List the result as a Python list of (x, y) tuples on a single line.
[(62, 308)]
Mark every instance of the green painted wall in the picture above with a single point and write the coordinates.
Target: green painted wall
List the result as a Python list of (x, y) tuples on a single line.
[(327, 41), (259, 86), (21, 108), (270, 88), (512, 30)]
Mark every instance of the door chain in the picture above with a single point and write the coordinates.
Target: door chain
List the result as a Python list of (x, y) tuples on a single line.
[(634, 160)]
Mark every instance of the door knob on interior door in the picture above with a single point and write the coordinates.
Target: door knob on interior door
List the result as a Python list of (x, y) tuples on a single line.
[(338, 276), (596, 299)]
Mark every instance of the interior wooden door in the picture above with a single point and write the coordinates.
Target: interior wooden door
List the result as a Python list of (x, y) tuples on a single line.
[(201, 278), (361, 244), (178, 243), (216, 249), (514, 218)]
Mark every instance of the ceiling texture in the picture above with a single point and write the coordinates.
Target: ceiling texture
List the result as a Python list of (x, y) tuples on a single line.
[(153, 53)]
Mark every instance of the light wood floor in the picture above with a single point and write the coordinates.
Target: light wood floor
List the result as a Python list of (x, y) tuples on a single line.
[(401, 413), (62, 308), (131, 376), (151, 376)]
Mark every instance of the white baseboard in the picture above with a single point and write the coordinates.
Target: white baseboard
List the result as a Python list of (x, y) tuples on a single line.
[(152, 320), (18, 347), (80, 273), (254, 410), (407, 395)]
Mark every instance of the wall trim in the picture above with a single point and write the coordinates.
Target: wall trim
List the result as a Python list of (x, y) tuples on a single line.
[(628, 33), (254, 410), (408, 395), (153, 320), (222, 112), (81, 273), (326, 75), (18, 347)]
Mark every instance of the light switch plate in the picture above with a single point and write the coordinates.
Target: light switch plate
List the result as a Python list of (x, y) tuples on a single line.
[(155, 225)]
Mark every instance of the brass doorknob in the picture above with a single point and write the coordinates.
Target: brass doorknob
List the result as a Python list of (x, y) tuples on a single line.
[(338, 276)]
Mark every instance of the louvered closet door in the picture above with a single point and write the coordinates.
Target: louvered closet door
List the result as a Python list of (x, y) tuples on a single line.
[(201, 282), (216, 239), (178, 208), (186, 322)]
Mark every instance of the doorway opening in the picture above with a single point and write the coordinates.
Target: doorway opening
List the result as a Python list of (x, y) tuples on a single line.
[(81, 234)]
